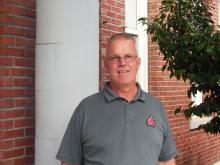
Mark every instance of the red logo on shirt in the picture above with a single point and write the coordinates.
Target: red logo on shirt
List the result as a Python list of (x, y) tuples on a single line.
[(151, 121)]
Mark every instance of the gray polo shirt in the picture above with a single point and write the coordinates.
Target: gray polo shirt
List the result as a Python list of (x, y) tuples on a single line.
[(105, 129)]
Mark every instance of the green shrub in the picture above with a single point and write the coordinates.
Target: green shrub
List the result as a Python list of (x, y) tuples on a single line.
[(190, 44)]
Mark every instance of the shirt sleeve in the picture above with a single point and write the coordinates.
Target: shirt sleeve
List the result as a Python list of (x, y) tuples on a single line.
[(70, 150), (168, 150)]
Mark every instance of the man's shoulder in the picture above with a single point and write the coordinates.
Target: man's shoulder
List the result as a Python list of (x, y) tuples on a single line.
[(92, 99), (149, 97), (91, 104)]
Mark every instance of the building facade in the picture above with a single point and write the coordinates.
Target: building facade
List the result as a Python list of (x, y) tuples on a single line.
[(27, 87)]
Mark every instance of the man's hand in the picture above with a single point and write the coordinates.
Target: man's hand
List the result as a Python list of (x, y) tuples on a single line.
[(169, 162)]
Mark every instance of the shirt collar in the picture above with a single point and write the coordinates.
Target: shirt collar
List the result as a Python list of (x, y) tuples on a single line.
[(111, 96)]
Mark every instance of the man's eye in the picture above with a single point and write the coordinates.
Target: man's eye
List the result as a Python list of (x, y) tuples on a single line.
[(114, 58), (128, 57)]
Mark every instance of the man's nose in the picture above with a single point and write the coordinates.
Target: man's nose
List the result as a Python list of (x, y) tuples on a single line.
[(122, 61)]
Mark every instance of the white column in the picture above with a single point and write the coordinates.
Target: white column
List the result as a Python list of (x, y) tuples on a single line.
[(67, 62)]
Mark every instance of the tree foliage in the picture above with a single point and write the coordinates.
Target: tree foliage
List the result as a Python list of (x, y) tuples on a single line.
[(186, 35)]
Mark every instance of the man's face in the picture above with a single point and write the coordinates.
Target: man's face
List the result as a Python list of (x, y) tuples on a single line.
[(122, 62)]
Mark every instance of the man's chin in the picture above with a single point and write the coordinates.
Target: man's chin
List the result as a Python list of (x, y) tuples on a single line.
[(126, 83)]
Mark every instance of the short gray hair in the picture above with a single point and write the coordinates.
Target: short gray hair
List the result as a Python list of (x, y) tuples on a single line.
[(125, 36)]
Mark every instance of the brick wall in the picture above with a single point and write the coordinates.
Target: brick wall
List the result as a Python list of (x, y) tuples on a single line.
[(194, 146), (112, 20), (17, 59)]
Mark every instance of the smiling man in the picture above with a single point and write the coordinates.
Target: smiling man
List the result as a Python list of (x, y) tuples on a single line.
[(122, 124), (122, 62)]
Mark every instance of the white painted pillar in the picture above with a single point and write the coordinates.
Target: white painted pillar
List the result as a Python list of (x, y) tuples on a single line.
[(67, 59)]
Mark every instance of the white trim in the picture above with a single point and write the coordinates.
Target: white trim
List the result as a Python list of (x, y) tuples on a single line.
[(143, 47), (195, 120), (197, 98), (131, 31), (142, 44)]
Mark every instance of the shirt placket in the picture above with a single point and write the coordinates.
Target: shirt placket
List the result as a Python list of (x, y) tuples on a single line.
[(129, 114)]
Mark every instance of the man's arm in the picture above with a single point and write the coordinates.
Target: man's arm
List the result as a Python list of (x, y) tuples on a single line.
[(169, 162)]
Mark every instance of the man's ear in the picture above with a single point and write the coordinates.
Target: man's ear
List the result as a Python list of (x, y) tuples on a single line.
[(139, 61)]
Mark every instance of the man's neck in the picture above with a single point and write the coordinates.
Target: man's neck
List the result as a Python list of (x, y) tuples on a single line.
[(127, 92)]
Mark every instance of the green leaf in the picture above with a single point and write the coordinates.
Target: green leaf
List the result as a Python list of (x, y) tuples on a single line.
[(178, 110)]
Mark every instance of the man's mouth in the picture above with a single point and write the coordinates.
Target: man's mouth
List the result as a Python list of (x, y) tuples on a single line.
[(123, 71)]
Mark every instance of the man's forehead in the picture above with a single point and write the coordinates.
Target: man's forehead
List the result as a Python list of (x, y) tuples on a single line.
[(126, 47), (119, 43), (122, 39)]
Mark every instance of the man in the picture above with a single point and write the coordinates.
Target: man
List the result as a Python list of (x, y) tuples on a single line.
[(121, 125)]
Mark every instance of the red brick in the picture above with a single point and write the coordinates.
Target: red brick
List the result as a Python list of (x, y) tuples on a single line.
[(18, 31), (17, 72), (26, 82), (9, 9), (5, 103), (26, 22), (5, 134), (31, 13), (6, 114), (116, 22), (24, 102), (117, 10), (112, 2), (11, 153), (30, 52), (25, 42), (6, 124), (23, 122), (24, 142), (5, 144), (5, 61), (30, 34), (20, 21), (120, 5), (29, 151), (106, 32), (6, 162), (29, 131), (104, 6), (111, 14), (16, 92), (29, 3), (12, 51), (6, 82), (4, 40), (30, 112), (6, 19), (120, 17), (23, 161), (24, 62)]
